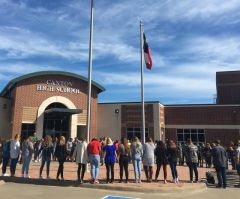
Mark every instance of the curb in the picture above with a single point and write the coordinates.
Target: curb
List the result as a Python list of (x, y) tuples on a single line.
[(114, 187)]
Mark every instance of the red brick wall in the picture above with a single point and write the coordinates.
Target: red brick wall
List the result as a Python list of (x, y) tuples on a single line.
[(171, 134), (228, 87), (131, 116), (202, 115), (225, 135), (26, 94)]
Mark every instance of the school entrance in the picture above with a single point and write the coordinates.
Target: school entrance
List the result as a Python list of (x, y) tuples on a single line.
[(57, 120)]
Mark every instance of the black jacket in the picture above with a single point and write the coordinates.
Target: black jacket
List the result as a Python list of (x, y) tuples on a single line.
[(61, 152), (161, 155)]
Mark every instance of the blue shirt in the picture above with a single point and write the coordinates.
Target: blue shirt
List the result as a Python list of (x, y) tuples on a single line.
[(110, 153)]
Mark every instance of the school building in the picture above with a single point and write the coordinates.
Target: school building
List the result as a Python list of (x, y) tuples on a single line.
[(55, 103)]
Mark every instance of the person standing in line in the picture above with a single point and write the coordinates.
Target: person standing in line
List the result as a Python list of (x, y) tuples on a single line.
[(137, 153), (1, 152), (148, 158), (47, 152), (5, 156), (81, 156), (219, 155), (161, 160), (69, 148), (27, 152), (124, 153), (208, 155), (94, 151), (14, 154), (238, 159), (109, 158), (172, 153), (192, 160), (61, 155)]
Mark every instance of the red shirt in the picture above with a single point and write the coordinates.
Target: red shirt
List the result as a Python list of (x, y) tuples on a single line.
[(94, 147)]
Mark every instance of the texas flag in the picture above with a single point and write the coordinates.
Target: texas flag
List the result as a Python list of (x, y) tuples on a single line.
[(147, 53)]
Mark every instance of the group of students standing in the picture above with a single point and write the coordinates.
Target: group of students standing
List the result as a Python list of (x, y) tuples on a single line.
[(124, 153)]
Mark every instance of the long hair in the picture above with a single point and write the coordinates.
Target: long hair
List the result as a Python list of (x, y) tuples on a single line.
[(48, 140), (17, 137), (109, 141), (62, 140), (172, 144), (124, 141)]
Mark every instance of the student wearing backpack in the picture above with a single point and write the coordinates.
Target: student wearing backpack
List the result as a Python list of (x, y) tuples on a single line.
[(27, 152), (192, 160)]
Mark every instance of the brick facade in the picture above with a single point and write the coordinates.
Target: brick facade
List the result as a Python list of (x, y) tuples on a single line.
[(228, 87), (202, 115), (25, 94), (131, 117)]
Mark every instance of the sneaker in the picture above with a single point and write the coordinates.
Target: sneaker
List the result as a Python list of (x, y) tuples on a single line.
[(23, 176), (96, 181), (27, 176), (5, 174), (165, 181), (177, 180), (139, 181)]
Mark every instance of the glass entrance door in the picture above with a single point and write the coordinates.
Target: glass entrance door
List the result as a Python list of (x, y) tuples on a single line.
[(56, 124)]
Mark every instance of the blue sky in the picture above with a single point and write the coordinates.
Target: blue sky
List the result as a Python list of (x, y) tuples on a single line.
[(189, 40)]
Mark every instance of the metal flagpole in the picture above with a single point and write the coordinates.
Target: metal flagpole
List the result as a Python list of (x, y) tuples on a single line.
[(142, 82), (90, 73)]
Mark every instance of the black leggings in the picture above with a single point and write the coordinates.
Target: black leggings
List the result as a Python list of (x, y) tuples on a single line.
[(123, 163), (110, 166), (83, 168), (60, 168)]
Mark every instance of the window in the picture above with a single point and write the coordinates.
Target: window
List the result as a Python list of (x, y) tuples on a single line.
[(135, 132), (197, 135)]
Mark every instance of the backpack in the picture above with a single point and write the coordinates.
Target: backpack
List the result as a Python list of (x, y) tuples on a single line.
[(210, 177)]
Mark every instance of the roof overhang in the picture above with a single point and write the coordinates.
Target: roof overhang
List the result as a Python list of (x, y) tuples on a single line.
[(13, 82), (65, 111)]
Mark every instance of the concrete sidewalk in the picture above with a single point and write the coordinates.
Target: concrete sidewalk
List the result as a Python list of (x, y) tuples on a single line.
[(70, 176)]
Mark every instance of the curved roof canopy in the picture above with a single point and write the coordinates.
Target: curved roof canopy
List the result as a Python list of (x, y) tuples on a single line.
[(13, 82)]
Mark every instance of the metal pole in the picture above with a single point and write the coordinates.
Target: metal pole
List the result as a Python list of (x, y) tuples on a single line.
[(142, 82), (90, 73)]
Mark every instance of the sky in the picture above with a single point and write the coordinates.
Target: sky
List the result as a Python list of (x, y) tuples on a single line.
[(190, 40)]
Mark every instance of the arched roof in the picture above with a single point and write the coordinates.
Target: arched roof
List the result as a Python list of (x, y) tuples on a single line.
[(13, 82)]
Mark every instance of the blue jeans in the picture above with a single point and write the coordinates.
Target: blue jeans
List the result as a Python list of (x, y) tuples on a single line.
[(221, 175), (25, 164), (13, 165), (45, 160), (173, 166), (137, 167), (94, 162)]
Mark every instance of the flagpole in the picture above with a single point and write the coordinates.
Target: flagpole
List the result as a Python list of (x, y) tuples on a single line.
[(90, 73), (142, 82)]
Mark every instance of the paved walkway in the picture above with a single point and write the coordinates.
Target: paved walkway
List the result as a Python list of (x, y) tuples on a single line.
[(70, 177)]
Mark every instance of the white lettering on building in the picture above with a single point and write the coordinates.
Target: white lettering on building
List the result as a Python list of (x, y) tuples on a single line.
[(58, 86)]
